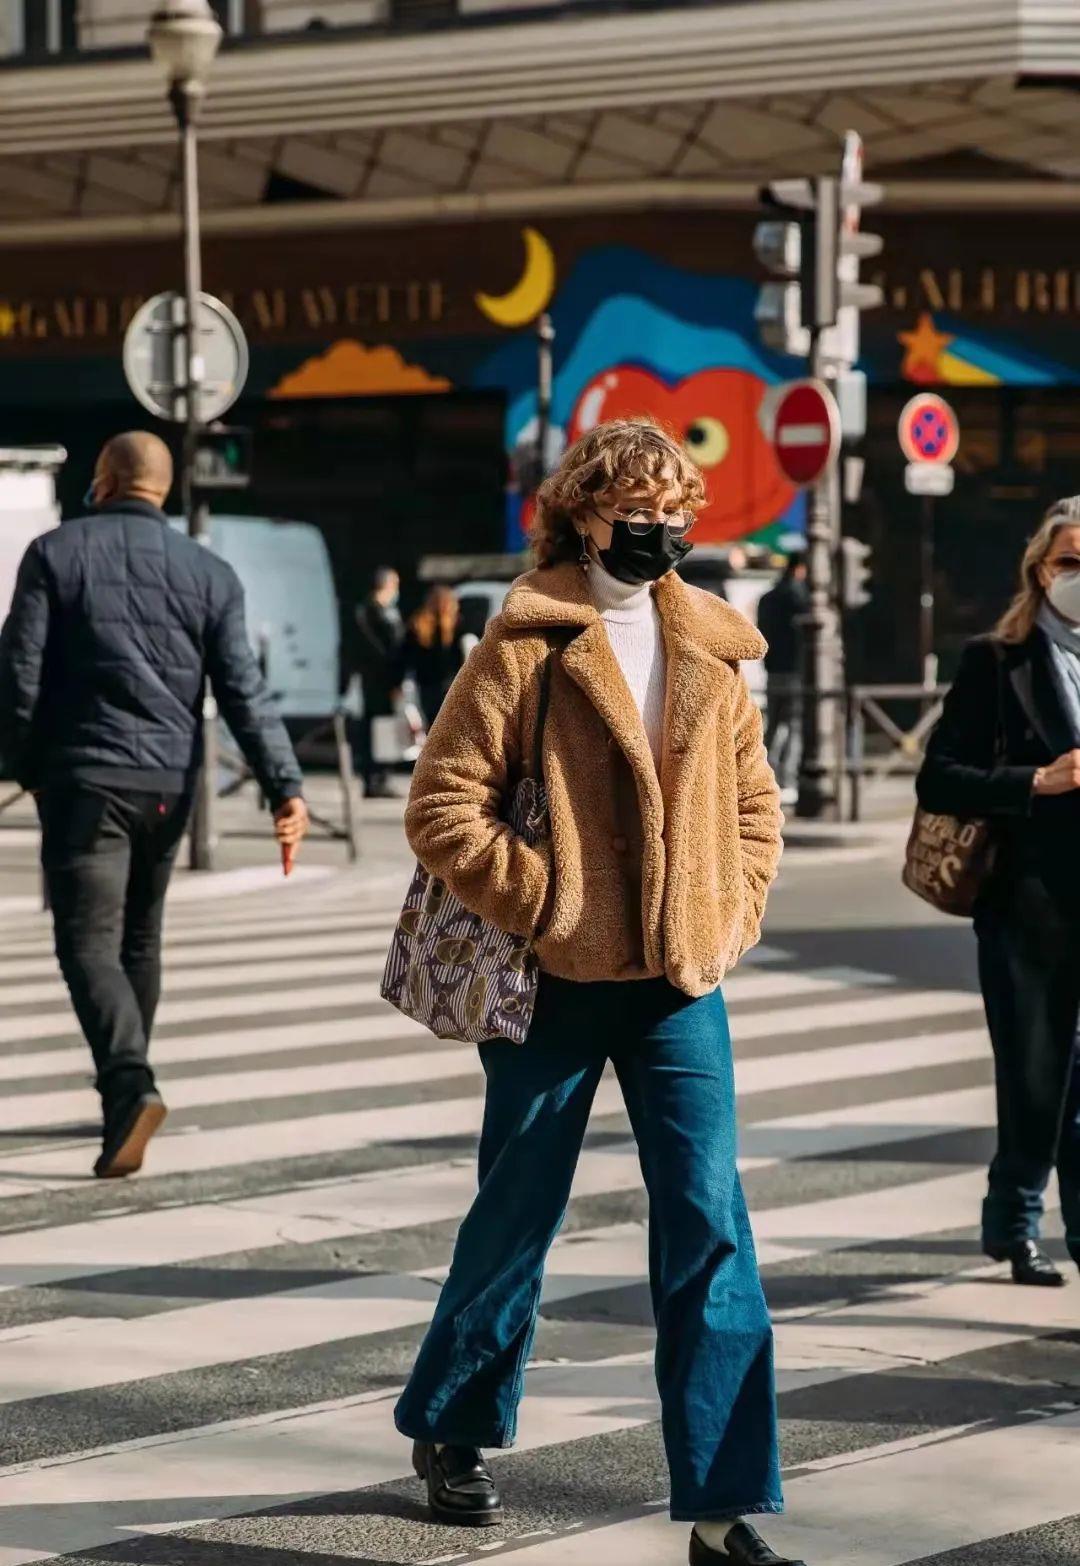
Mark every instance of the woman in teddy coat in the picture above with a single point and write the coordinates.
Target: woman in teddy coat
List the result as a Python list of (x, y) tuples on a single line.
[(665, 835)]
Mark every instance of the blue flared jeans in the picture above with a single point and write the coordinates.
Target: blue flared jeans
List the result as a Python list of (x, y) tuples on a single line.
[(714, 1350)]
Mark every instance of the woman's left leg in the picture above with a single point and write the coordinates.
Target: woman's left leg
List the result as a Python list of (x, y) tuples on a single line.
[(714, 1352)]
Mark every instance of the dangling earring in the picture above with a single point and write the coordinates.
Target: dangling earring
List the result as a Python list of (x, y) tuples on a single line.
[(583, 558)]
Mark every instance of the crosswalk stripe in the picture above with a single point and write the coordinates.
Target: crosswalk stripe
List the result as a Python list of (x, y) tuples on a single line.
[(73, 1353), (837, 1014), (301, 970), (190, 1049), (213, 955), (245, 1143), (101, 1497), (221, 1470), (924, 1497), (426, 1193)]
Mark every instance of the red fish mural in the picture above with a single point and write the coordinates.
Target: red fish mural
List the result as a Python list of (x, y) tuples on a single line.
[(715, 413)]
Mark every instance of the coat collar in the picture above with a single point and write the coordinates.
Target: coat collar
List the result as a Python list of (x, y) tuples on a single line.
[(132, 507), (703, 637), (558, 598)]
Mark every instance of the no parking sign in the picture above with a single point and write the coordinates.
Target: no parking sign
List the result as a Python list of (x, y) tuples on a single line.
[(928, 429)]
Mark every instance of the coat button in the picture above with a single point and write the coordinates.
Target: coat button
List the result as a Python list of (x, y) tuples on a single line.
[(619, 844)]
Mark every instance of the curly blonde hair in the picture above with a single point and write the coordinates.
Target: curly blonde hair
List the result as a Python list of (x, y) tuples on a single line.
[(618, 454)]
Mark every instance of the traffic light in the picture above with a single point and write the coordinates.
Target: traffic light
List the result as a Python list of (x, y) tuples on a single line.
[(814, 244), (854, 572), (223, 458)]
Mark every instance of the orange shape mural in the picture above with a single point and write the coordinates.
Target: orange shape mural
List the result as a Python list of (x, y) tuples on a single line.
[(923, 348), (715, 415), (348, 369)]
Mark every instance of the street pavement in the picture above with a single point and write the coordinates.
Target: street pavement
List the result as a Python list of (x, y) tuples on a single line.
[(198, 1366)]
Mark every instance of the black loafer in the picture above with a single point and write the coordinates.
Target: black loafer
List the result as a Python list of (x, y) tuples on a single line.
[(743, 1546), (460, 1488), (128, 1128), (1030, 1264)]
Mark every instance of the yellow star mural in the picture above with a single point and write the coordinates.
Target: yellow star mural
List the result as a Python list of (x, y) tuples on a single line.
[(924, 347)]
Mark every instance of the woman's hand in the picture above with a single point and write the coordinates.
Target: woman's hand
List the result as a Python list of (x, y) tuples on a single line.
[(1060, 777)]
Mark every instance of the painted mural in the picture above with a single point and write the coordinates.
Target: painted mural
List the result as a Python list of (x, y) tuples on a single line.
[(637, 335)]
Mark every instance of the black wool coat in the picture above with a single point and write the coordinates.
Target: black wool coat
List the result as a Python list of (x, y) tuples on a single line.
[(1002, 721)]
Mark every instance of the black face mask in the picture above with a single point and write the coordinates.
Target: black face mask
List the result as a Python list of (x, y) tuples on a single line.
[(642, 557)]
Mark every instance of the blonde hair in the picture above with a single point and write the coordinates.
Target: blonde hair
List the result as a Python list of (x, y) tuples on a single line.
[(620, 452), (439, 617), (1018, 621)]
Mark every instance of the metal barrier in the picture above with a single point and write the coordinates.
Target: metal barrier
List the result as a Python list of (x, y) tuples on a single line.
[(907, 745), (346, 831)]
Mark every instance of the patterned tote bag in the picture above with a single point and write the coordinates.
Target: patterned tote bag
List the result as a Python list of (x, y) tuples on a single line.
[(450, 969)]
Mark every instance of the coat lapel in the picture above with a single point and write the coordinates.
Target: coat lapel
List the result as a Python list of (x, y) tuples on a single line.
[(1030, 678), (703, 638), (593, 667)]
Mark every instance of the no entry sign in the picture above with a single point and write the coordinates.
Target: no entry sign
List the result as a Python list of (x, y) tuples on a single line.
[(928, 429), (806, 431)]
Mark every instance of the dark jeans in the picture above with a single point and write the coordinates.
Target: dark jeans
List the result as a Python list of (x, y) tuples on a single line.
[(107, 855), (783, 726), (714, 1354), (1029, 968)]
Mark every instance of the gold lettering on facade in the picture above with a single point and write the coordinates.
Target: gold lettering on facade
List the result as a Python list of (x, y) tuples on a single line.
[(956, 289), (271, 311), (987, 289), (71, 317), (319, 306), (934, 297)]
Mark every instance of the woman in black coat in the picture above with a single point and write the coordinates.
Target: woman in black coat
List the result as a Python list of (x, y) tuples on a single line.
[(1007, 749)]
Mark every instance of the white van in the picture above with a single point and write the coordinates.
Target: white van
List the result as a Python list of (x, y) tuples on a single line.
[(292, 609), (28, 506)]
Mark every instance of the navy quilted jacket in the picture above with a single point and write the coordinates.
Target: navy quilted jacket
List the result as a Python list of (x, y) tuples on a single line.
[(115, 622)]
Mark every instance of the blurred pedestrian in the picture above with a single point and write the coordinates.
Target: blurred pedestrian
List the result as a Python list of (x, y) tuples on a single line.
[(1007, 749), (780, 615), (665, 834), (434, 649), (380, 632), (116, 623)]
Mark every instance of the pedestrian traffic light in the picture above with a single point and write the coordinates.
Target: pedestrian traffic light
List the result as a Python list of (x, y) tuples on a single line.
[(854, 573), (223, 458), (813, 242)]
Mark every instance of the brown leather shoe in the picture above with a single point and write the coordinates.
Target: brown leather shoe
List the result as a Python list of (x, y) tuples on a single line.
[(460, 1487), (128, 1129)]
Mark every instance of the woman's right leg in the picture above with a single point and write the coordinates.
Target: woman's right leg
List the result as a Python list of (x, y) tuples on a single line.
[(1028, 973), (467, 1380)]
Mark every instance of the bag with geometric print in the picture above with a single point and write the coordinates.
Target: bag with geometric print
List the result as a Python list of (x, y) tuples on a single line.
[(453, 971)]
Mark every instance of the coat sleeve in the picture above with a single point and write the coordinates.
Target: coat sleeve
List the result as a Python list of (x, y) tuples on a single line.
[(960, 775), (246, 704), (22, 658), (454, 817), (760, 819)]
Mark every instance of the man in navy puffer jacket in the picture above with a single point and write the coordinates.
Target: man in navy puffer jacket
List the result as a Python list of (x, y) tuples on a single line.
[(116, 623)]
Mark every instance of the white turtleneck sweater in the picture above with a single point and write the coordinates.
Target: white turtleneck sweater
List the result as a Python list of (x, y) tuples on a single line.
[(633, 626)]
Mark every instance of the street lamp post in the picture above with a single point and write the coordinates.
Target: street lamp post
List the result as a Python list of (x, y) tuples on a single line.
[(184, 37)]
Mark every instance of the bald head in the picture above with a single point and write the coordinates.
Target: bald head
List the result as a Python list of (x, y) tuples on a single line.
[(135, 466)]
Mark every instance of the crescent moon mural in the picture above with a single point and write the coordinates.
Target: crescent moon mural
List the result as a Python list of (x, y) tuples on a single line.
[(532, 293)]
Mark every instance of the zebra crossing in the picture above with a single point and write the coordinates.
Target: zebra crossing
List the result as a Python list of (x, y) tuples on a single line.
[(200, 1364)]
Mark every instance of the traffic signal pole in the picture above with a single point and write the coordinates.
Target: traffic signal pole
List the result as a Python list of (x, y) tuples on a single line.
[(823, 677), (812, 241)]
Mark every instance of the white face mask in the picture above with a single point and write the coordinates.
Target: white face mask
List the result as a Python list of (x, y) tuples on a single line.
[(1064, 595)]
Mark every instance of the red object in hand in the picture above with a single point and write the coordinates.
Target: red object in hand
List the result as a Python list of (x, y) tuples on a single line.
[(287, 852)]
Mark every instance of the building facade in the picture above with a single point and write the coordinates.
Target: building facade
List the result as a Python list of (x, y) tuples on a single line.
[(394, 192)]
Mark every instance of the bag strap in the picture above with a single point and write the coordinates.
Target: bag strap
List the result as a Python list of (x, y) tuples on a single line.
[(541, 716)]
